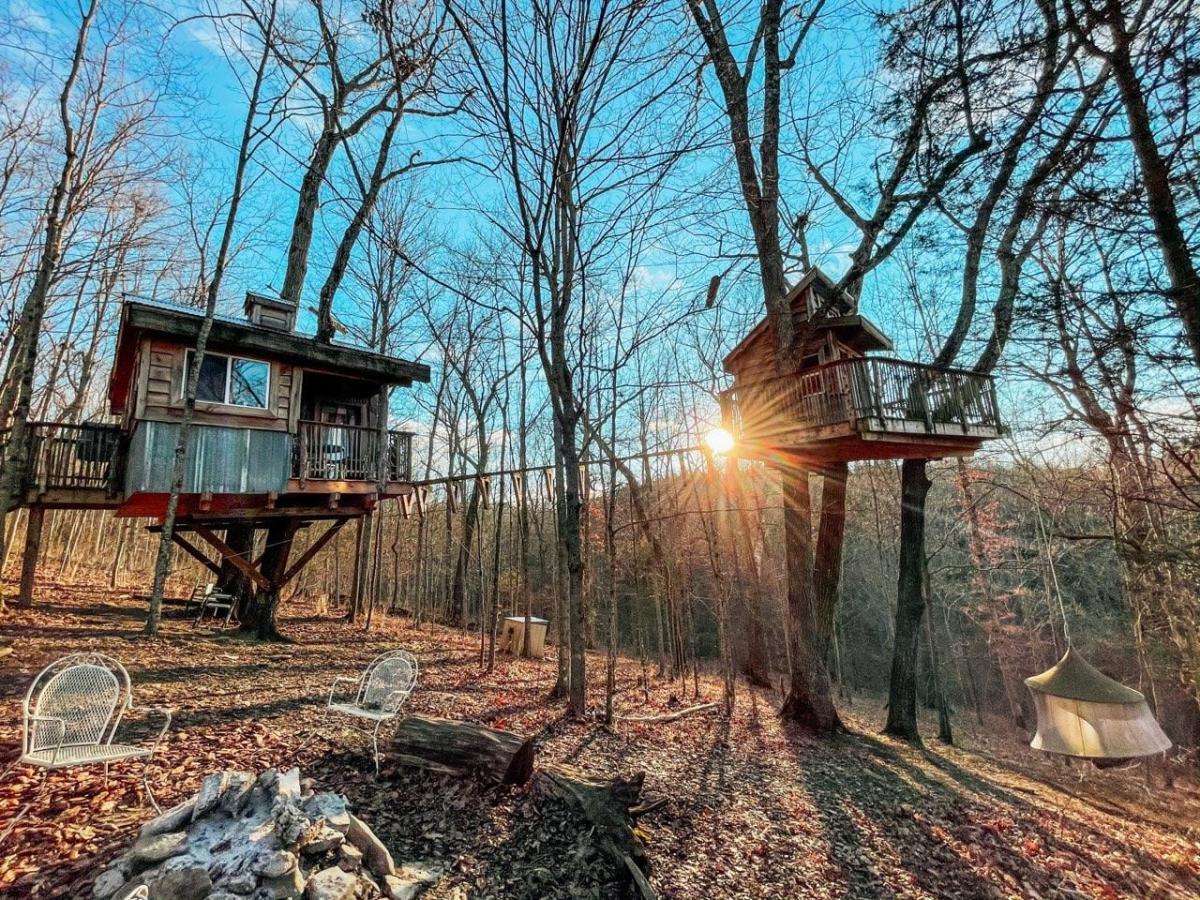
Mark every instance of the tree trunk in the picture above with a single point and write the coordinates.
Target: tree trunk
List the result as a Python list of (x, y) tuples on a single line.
[(450, 747), (606, 805), (306, 211), (462, 560), (33, 539), (1160, 197), (810, 698), (275, 559), (240, 539), (827, 564), (910, 603)]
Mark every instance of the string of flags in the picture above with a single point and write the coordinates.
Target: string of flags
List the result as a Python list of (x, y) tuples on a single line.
[(677, 463)]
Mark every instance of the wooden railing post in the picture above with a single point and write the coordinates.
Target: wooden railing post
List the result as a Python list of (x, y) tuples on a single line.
[(302, 452)]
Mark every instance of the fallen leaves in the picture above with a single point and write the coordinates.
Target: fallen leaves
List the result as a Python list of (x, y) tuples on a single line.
[(756, 808)]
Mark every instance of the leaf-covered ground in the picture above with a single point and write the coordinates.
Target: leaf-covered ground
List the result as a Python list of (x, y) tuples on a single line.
[(756, 809)]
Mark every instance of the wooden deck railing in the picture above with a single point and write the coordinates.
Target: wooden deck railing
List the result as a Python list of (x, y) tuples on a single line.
[(878, 393), (63, 456), (329, 452)]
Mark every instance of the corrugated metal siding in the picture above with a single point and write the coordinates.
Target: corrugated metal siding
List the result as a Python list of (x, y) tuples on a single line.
[(221, 460)]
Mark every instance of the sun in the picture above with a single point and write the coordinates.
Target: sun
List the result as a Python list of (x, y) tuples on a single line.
[(719, 441)]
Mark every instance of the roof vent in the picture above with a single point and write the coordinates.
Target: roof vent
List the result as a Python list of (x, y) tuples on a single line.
[(270, 312)]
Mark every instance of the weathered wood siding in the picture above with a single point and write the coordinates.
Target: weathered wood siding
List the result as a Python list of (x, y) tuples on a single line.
[(160, 391), (756, 362), (219, 459)]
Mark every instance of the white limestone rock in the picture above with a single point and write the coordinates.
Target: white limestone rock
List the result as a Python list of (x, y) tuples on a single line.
[(331, 807), (237, 792), (182, 878), (379, 859), (157, 847), (410, 881), (172, 820), (210, 793), (285, 887), (332, 884), (325, 840), (350, 858), (288, 785), (275, 864)]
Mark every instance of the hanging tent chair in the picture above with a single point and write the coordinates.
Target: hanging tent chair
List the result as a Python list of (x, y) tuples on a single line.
[(1082, 712)]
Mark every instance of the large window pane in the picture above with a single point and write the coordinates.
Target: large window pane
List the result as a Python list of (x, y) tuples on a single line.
[(249, 387), (212, 378)]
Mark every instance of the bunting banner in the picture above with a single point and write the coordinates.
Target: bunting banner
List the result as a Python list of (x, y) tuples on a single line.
[(484, 486), (518, 486)]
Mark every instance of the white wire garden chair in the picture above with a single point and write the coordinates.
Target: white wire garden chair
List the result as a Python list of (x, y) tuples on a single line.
[(71, 714), (379, 693)]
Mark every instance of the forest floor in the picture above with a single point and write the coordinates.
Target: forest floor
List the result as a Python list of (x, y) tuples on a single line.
[(756, 808)]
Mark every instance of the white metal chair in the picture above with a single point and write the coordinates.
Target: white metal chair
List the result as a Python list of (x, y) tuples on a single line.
[(71, 714), (379, 693)]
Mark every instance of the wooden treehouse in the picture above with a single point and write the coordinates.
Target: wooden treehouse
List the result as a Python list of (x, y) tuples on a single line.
[(286, 431), (840, 404)]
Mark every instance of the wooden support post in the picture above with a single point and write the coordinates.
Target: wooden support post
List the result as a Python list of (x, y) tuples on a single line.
[(33, 537), (240, 538), (234, 558), (192, 551), (312, 551)]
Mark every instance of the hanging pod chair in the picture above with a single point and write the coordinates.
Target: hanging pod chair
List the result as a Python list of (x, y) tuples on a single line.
[(1082, 712)]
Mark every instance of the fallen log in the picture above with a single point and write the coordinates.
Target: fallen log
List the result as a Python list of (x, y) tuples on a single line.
[(668, 717), (605, 805), (464, 748)]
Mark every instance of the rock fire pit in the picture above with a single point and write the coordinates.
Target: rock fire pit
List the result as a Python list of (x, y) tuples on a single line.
[(265, 838)]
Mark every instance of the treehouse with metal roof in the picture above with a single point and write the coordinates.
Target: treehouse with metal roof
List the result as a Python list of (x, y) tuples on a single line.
[(286, 431), (841, 404)]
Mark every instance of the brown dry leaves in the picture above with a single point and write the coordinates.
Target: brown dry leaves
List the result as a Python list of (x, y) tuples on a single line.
[(756, 809)]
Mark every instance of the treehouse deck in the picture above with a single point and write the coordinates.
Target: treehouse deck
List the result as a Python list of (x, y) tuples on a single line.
[(324, 470), (864, 408)]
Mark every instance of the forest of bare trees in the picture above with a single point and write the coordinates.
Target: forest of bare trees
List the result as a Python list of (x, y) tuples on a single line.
[(571, 212)]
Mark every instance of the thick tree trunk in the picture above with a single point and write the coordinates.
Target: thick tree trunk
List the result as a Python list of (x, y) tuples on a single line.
[(827, 564), (571, 541), (263, 619), (810, 697), (451, 747), (462, 561), (910, 602), (33, 539), (754, 666), (306, 211), (240, 539)]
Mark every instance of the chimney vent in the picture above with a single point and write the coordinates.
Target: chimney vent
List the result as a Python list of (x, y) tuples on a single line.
[(270, 312)]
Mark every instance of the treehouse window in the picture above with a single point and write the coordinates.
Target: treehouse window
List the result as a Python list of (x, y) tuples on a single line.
[(232, 380)]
